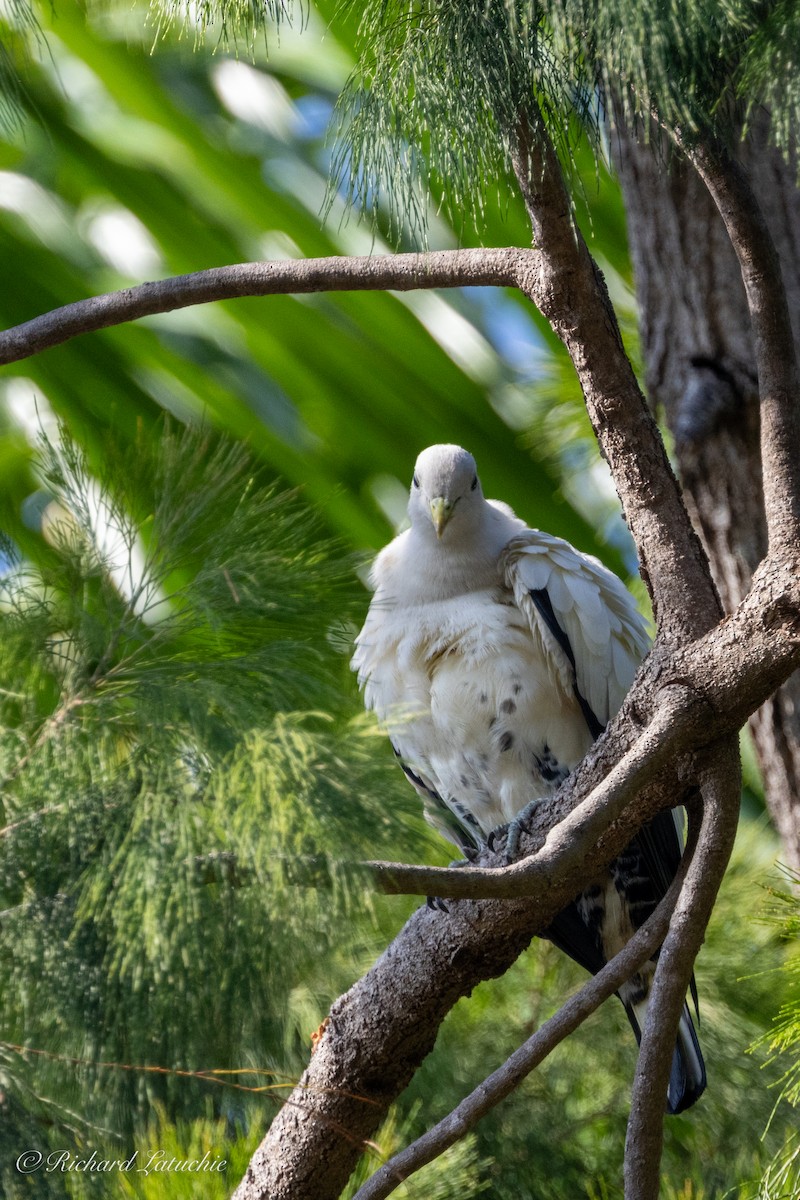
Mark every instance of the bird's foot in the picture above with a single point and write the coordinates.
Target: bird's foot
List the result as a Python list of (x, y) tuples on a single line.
[(436, 903), (513, 831), (470, 854), (496, 836)]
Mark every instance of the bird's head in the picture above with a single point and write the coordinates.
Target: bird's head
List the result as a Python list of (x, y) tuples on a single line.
[(445, 488)]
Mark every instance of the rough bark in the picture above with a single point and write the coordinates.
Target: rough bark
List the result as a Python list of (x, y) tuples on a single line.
[(700, 363), (383, 1028), (568, 289), (505, 1079), (372, 272)]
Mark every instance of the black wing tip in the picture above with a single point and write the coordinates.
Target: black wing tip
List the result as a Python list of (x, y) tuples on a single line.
[(544, 606)]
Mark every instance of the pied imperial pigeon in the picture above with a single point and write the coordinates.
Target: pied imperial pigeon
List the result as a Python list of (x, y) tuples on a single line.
[(494, 655)]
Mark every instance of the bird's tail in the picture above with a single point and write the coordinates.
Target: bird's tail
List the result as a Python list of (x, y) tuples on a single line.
[(687, 1077)]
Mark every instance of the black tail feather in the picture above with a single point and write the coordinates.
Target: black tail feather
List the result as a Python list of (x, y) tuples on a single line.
[(687, 1078)]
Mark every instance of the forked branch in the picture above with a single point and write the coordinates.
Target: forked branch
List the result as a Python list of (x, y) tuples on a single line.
[(519, 1065), (565, 284)]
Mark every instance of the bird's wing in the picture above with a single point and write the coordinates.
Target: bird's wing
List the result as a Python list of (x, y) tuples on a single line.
[(596, 638), (584, 618)]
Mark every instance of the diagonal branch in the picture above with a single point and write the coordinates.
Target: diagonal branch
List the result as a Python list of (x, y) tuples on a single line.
[(776, 356), (567, 843), (399, 272), (506, 1078), (567, 287), (382, 1029), (721, 787)]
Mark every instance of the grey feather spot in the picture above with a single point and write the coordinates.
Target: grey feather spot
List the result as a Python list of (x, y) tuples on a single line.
[(547, 766), (508, 706), (506, 742), (465, 816)]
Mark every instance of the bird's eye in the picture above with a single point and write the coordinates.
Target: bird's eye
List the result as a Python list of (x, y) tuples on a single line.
[(415, 481), (474, 483)]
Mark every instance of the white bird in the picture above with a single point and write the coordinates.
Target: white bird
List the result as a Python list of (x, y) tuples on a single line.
[(494, 655)]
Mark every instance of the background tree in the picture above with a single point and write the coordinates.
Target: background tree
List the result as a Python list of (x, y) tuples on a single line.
[(700, 369), (490, 68)]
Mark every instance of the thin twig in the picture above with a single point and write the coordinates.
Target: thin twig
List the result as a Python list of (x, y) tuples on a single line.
[(47, 730), (506, 1078), (382, 1029), (33, 816), (721, 786)]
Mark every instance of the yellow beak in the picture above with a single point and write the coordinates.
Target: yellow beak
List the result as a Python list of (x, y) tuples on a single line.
[(440, 513)]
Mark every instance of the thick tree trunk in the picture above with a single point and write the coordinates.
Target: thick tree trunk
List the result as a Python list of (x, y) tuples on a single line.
[(700, 370)]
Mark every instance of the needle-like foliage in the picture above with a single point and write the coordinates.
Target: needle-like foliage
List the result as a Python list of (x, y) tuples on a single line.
[(19, 30), (164, 768), (185, 564), (432, 111), (229, 21), (782, 1176)]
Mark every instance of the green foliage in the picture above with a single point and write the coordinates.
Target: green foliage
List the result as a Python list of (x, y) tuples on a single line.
[(156, 951), (188, 563), (136, 164), (19, 28), (784, 1037), (196, 1152), (768, 76), (170, 750), (458, 1174), (162, 779), (673, 60), (230, 20), (782, 1176), (436, 102), (433, 111)]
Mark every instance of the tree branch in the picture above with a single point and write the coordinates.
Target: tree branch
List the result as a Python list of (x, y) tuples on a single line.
[(721, 787), (776, 358), (567, 843), (381, 1030), (398, 272), (715, 674), (505, 1079), (567, 287)]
